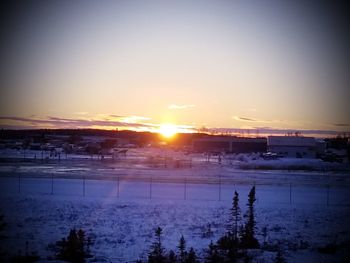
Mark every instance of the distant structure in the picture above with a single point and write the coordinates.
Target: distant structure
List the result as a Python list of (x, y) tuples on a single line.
[(229, 144), (293, 146)]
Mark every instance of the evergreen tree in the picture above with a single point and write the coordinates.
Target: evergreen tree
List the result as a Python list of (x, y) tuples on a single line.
[(2, 227), (213, 255), (228, 247), (2, 223), (248, 239), (171, 257), (235, 212), (279, 257), (72, 249), (157, 253), (182, 249), (191, 257), (229, 243)]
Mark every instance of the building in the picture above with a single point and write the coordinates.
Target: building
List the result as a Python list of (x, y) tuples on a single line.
[(293, 146), (229, 144)]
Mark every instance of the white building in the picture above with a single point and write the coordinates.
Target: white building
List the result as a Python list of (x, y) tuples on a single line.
[(292, 146)]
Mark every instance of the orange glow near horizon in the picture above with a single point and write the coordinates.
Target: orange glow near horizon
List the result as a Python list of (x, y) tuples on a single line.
[(168, 130)]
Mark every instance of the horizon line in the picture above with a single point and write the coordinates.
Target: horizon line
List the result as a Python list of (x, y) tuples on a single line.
[(237, 132)]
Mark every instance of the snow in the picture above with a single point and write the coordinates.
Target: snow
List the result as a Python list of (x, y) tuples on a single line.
[(123, 230), (119, 204)]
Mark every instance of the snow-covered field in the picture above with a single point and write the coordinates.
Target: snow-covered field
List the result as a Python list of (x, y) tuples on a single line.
[(119, 206), (123, 230)]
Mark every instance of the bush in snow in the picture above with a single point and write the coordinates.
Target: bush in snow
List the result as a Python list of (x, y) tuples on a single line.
[(184, 256), (27, 257), (279, 257), (234, 243), (74, 248), (159, 255)]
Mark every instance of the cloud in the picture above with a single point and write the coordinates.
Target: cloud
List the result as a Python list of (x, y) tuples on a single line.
[(133, 119), (246, 119), (342, 124), (265, 131), (116, 116), (56, 122), (180, 107), (237, 118)]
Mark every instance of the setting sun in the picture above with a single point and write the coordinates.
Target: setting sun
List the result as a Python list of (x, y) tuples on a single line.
[(168, 130)]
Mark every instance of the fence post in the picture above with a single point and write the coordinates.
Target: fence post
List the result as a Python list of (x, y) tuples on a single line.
[(290, 193)]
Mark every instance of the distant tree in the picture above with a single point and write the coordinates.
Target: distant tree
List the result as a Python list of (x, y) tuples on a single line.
[(73, 248), (92, 149), (248, 239), (27, 258), (171, 257), (26, 143), (191, 257), (229, 243), (264, 234), (279, 257), (228, 247), (74, 139), (213, 255), (2, 223), (108, 143), (43, 139), (182, 249), (2, 227), (235, 213), (157, 253)]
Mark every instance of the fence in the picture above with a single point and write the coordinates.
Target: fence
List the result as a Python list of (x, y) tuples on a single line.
[(180, 188)]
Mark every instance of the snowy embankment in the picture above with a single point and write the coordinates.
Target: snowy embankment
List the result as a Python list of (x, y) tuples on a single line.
[(144, 158)]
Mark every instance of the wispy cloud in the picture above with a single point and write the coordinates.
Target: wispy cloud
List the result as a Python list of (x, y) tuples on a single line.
[(264, 131), (342, 124), (180, 107), (116, 116), (136, 123), (134, 119), (246, 119), (56, 122)]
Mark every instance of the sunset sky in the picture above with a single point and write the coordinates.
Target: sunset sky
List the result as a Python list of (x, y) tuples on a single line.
[(138, 64)]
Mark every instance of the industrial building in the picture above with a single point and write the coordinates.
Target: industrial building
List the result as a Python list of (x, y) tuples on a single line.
[(293, 146), (229, 144)]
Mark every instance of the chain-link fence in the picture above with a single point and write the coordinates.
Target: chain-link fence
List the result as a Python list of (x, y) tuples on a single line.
[(178, 188)]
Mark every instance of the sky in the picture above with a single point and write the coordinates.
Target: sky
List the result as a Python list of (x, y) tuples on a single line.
[(220, 65)]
